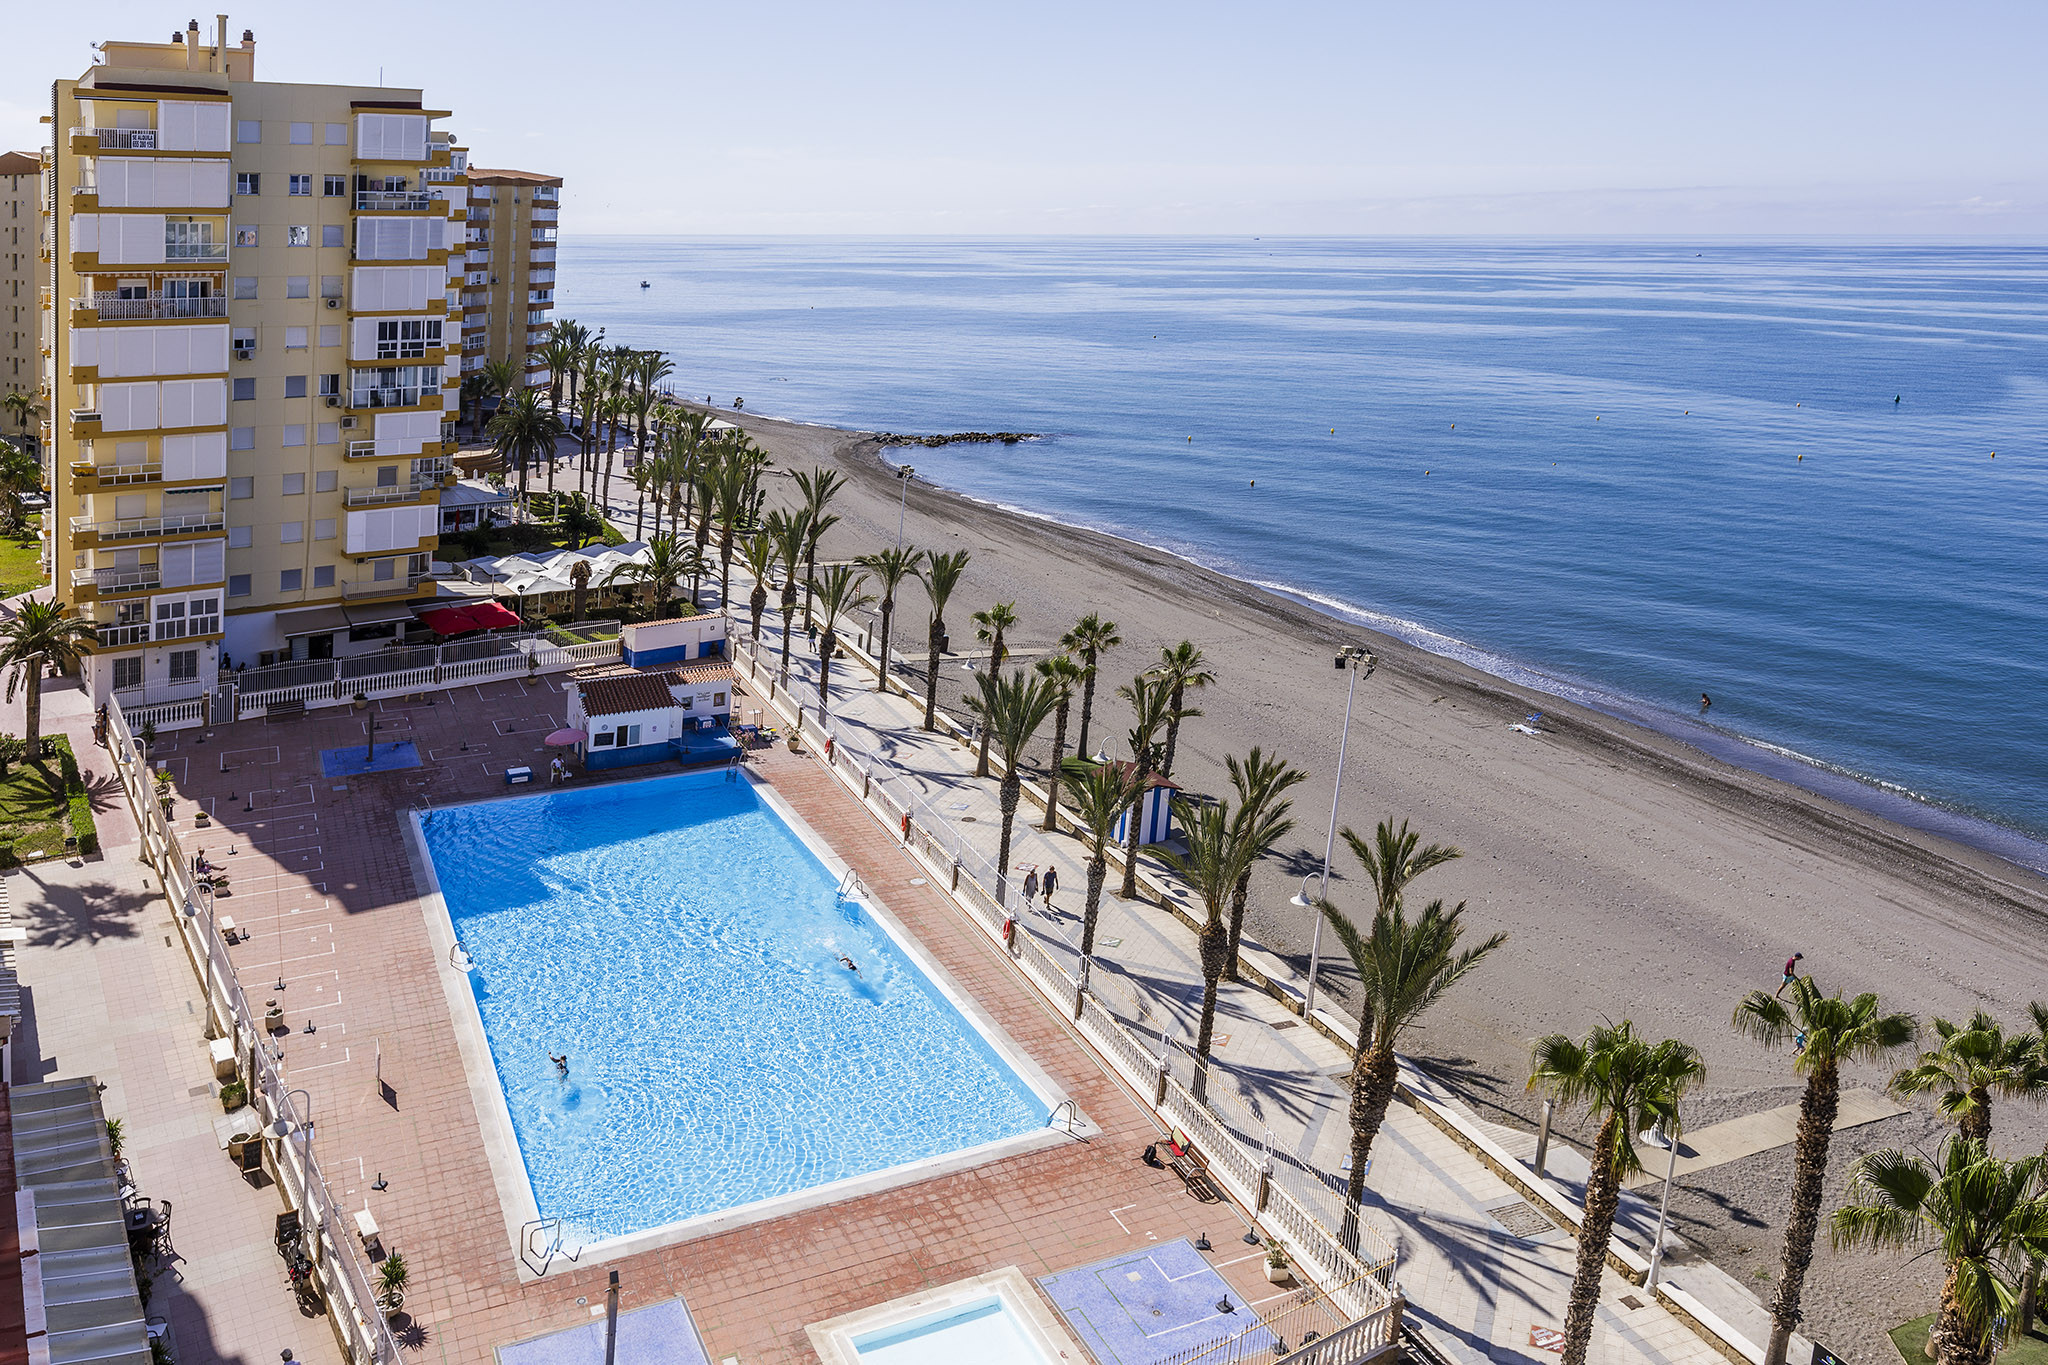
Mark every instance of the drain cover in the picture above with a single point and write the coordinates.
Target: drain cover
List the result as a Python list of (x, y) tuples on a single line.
[(1631, 1302), (1521, 1220)]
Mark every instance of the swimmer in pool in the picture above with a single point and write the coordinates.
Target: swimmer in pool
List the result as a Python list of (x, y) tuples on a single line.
[(561, 1063), (848, 963)]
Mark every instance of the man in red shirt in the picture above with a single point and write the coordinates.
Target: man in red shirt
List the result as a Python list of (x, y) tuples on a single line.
[(1791, 972)]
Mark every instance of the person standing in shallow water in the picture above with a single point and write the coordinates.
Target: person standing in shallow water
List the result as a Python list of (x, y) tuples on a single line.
[(1705, 702)]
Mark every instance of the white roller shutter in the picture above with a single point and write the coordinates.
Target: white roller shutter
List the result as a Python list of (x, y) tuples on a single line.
[(132, 239), (177, 403), (85, 345), (209, 184), (187, 565), (403, 433), (391, 137), (362, 337), (393, 239), (112, 182), (133, 353), (201, 455), (174, 185), (390, 528), (128, 407), (85, 232), (174, 350), (177, 126), (209, 402), (209, 348)]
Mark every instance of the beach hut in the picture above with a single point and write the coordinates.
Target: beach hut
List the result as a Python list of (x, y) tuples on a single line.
[(647, 644), (1155, 811), (649, 715)]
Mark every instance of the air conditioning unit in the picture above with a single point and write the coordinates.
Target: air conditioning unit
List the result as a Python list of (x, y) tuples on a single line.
[(333, 400), (333, 303), (245, 352), (349, 423)]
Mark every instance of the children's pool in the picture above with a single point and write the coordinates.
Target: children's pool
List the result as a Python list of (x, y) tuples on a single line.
[(678, 941)]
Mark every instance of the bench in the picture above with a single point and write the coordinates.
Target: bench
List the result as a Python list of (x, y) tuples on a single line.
[(1184, 1161), (284, 710)]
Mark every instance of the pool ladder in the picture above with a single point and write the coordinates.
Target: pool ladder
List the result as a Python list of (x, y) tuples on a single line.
[(542, 1238), (850, 885), (1073, 1113)]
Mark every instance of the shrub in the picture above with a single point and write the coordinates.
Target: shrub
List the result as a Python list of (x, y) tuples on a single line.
[(67, 767), (13, 750), (82, 823)]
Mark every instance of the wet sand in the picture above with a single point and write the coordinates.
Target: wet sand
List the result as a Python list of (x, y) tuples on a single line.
[(1636, 876)]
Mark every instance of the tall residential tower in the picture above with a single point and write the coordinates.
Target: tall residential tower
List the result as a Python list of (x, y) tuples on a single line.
[(253, 287), (21, 198), (510, 285)]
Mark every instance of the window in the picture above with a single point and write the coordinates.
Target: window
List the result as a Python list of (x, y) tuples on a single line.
[(302, 134), (323, 575), (324, 481), (335, 186), (718, 698), (127, 672), (245, 286), (323, 529), (291, 533), (184, 665), (384, 570), (330, 385), (337, 135), (242, 438), (244, 487), (238, 585), (300, 184), (407, 338), (239, 538), (601, 740), (291, 580), (248, 182), (298, 234), (330, 288), (295, 338), (294, 484), (185, 240), (330, 334), (245, 236), (245, 390), (328, 433), (294, 434), (330, 235), (387, 476), (248, 130), (627, 736), (295, 386), (187, 616), (298, 286)]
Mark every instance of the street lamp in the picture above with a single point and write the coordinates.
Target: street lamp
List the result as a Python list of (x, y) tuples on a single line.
[(282, 1127), (904, 474), (1351, 657), (1663, 1208)]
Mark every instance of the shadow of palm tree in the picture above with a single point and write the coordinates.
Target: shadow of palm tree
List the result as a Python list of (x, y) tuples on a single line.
[(62, 915)]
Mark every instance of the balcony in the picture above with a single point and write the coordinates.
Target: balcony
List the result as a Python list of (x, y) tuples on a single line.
[(118, 582), (113, 140), (154, 307), (547, 194), (386, 496), (116, 637), (114, 475), (85, 424), (195, 251), (545, 215), (390, 201), (408, 397), (148, 528), (387, 587)]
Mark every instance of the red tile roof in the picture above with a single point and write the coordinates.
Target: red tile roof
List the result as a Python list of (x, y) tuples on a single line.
[(615, 694), (20, 163)]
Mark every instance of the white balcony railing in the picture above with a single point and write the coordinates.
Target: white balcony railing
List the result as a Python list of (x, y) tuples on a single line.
[(387, 587), (392, 199), (144, 578), (195, 251), (112, 309), (407, 397), (384, 494), (113, 474), (114, 637), (121, 139), (137, 528)]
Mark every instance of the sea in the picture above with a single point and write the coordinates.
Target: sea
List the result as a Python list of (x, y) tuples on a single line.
[(1806, 479)]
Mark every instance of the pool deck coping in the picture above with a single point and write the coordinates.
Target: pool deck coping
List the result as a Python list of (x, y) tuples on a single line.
[(833, 1338), (494, 1116)]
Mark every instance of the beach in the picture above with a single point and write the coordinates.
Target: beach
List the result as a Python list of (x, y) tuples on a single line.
[(1636, 877)]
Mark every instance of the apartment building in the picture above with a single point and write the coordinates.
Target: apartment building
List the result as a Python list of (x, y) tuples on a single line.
[(21, 184), (252, 285), (509, 284)]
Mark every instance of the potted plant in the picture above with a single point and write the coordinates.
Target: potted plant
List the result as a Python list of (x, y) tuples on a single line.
[(163, 791), (361, 701), (1277, 1270), (273, 1017), (233, 1095), (391, 1277)]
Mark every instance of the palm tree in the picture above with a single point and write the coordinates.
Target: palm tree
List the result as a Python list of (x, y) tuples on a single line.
[(1061, 674), (524, 430), (1101, 793), (41, 635), (2030, 1291), (818, 488), (579, 583), (1148, 700), (1825, 1031), (22, 405), (579, 521), (590, 395), (727, 492), (649, 369), (1984, 1214), (1181, 669), (1626, 1084), (497, 380), (890, 567), (1392, 859), (940, 575), (1010, 710), (790, 535), (1217, 852), (1971, 1063), (20, 474), (989, 625), (559, 355), (669, 561), (759, 556), (837, 592), (1087, 641), (1259, 781), (646, 475), (1404, 967)]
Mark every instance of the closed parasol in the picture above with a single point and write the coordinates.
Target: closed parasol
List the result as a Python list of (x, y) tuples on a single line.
[(561, 738)]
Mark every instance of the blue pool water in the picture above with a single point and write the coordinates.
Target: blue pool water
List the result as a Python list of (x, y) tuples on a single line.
[(677, 940), (982, 1332)]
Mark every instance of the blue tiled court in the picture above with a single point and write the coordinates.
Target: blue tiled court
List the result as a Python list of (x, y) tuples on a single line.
[(1140, 1308), (355, 760), (660, 1334)]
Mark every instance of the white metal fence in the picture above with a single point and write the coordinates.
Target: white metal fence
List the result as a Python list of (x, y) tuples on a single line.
[(344, 1280), (315, 683)]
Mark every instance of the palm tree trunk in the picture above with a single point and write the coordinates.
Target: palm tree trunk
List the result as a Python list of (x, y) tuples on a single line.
[(604, 492), (1012, 790), (32, 705), (757, 602), (826, 644), (640, 512), (1215, 944), (1809, 1172), (1172, 734), (1087, 705), (1098, 872), (1052, 775), (1129, 890), (788, 610), (1955, 1341), (810, 573), (931, 675), (1372, 1090), (1239, 894), (995, 664), (882, 658), (1603, 1192), (1975, 1124)]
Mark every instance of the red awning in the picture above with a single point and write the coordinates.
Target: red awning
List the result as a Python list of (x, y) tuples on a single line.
[(448, 621), (491, 615)]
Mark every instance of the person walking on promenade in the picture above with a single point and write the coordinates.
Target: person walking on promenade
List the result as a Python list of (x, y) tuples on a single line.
[(1049, 885), (1791, 972)]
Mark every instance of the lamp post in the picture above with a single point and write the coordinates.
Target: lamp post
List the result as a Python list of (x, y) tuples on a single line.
[(904, 474), (1663, 1214), (204, 889), (1351, 657)]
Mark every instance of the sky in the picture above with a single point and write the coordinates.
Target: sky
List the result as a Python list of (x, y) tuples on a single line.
[(1361, 118)]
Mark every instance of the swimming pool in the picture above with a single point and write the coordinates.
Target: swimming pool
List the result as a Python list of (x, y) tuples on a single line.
[(991, 1319), (679, 941)]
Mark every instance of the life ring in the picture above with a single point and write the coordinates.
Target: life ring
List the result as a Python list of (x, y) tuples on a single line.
[(906, 825), (828, 748), (1009, 931)]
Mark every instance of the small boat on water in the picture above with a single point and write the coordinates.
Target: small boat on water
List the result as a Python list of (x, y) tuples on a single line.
[(643, 284)]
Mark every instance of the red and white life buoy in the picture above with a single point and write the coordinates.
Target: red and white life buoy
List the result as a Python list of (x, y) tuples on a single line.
[(1009, 931), (828, 748), (906, 826)]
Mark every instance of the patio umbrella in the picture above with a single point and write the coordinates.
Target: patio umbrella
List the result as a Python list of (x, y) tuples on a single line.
[(490, 615), (563, 738), (448, 621)]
